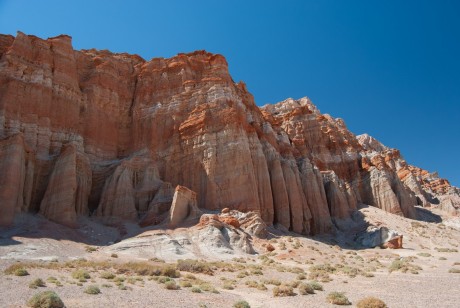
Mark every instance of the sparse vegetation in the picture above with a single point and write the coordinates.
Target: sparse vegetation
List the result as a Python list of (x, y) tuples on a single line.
[(424, 254), (316, 285), (195, 290), (228, 285), (305, 288), (404, 265), (107, 275), (281, 291), (21, 272), (194, 266), (274, 282), (163, 279), (90, 249), (454, 270), (37, 283), (185, 284), (93, 290), (241, 304), (45, 299), (338, 298), (321, 272), (301, 277), (371, 302), (446, 249), (114, 255), (81, 275), (171, 285)]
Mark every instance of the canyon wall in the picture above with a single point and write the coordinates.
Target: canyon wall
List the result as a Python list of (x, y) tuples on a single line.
[(92, 132)]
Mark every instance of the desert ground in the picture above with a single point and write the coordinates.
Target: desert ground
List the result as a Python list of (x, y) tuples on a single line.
[(134, 267)]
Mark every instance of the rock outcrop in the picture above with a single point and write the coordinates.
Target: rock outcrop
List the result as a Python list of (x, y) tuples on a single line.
[(379, 237), (183, 207), (92, 132)]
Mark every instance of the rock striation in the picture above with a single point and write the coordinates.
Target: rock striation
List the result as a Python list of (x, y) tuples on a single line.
[(92, 132)]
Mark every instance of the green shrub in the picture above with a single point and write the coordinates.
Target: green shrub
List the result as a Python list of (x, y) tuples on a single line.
[(21, 272), (283, 291), (337, 298), (37, 283), (371, 302), (163, 279), (45, 299), (241, 304), (93, 290)]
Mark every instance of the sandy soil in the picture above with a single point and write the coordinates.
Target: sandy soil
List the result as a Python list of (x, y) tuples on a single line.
[(431, 246)]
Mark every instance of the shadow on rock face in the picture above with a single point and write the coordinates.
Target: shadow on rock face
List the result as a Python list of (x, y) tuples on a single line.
[(426, 215)]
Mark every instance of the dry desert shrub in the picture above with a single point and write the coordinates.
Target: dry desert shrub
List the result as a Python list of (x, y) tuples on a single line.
[(338, 298), (371, 302), (107, 275), (171, 285), (37, 283), (195, 290), (424, 254), (241, 304), (81, 275), (321, 272), (17, 269), (316, 285), (185, 284), (194, 266), (454, 270), (283, 291), (404, 265), (93, 290), (274, 282), (305, 288), (45, 299), (147, 269)]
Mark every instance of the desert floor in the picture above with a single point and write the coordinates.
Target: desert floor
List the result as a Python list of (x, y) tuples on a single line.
[(426, 272)]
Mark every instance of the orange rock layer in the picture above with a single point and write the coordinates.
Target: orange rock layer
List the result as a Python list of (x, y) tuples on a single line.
[(97, 133)]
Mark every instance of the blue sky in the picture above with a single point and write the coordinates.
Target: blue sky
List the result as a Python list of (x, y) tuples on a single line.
[(388, 68)]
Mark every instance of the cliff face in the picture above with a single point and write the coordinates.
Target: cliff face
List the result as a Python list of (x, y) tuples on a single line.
[(95, 133)]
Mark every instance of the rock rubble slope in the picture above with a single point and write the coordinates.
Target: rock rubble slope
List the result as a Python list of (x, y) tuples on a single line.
[(92, 132)]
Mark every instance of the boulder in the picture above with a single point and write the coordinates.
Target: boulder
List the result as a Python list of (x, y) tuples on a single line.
[(183, 207)]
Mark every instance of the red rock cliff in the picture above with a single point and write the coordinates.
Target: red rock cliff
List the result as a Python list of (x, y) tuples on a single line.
[(93, 132)]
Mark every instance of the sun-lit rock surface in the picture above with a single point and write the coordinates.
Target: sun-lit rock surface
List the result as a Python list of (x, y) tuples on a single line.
[(96, 133)]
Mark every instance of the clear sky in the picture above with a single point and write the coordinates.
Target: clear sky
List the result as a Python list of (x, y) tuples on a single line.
[(389, 68)]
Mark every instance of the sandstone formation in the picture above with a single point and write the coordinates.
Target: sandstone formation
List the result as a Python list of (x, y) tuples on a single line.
[(92, 132), (183, 206)]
